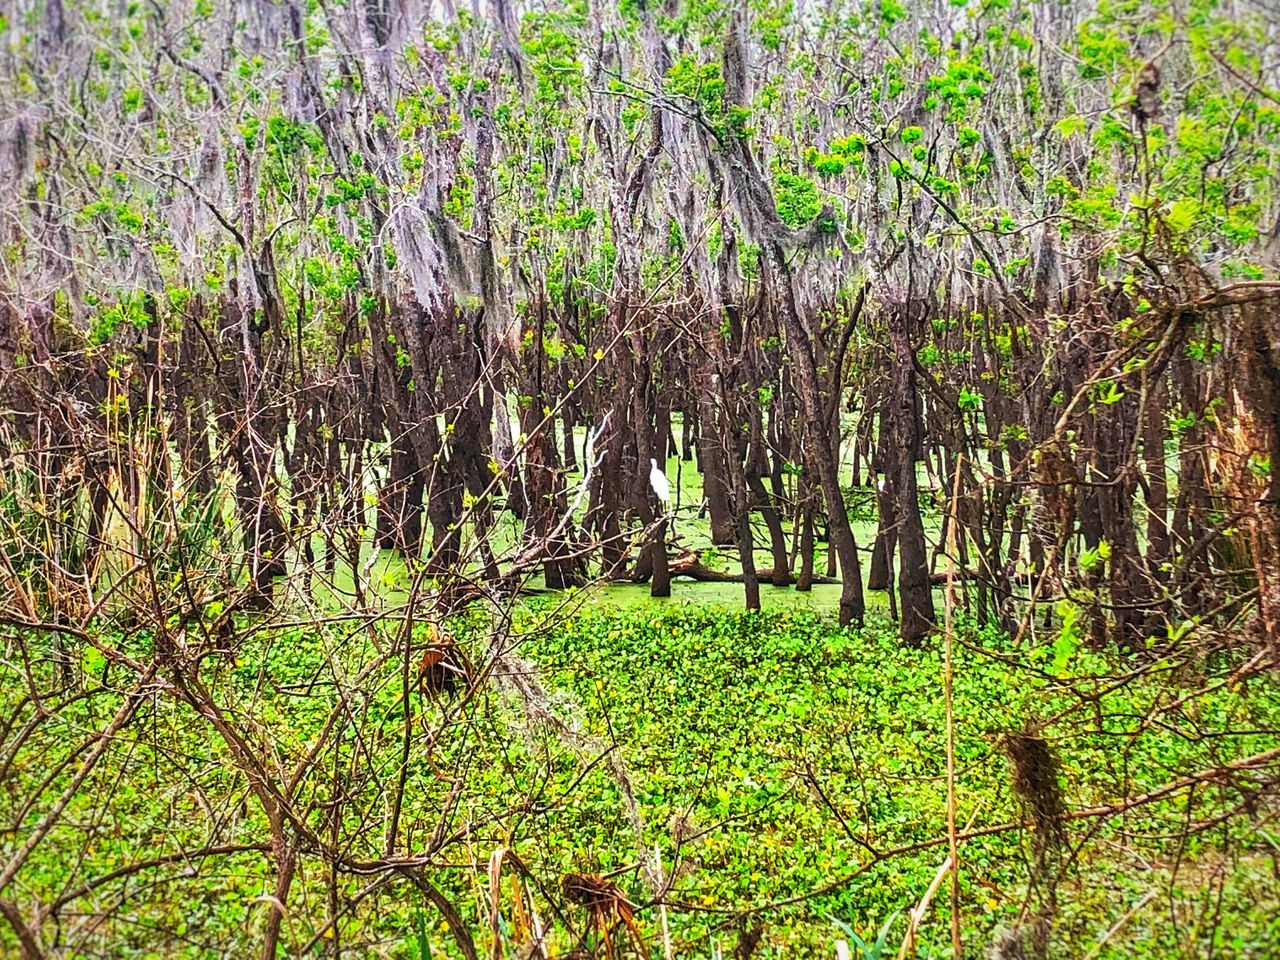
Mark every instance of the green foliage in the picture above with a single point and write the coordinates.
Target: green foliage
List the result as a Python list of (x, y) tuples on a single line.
[(1101, 48), (960, 87), (969, 401), (286, 138), (796, 197), (869, 951), (550, 42), (129, 310), (771, 22), (418, 945)]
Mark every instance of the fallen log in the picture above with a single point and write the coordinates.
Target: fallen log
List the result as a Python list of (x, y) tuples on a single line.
[(939, 578), (689, 564)]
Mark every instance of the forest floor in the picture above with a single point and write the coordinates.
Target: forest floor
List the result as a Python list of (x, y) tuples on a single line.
[(775, 762), (791, 750)]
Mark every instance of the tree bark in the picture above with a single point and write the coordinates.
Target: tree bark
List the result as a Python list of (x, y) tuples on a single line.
[(914, 591)]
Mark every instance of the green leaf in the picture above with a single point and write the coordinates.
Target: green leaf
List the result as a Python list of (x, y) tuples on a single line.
[(1071, 126), (1182, 214), (93, 660)]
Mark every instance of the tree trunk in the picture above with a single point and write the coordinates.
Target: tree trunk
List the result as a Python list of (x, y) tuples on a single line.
[(822, 447), (1154, 435), (914, 591)]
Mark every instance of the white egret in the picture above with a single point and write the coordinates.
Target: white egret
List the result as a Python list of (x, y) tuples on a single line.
[(658, 480)]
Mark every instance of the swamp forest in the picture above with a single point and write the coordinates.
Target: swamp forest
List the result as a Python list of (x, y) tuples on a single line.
[(668, 478)]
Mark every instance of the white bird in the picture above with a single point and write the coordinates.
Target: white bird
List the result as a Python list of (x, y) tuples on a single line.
[(658, 480)]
